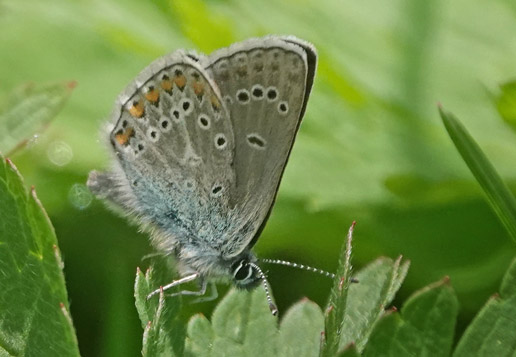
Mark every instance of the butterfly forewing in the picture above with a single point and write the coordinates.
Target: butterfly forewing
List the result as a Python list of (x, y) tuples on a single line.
[(265, 85)]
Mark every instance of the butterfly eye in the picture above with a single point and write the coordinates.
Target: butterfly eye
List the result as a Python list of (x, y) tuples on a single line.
[(243, 271)]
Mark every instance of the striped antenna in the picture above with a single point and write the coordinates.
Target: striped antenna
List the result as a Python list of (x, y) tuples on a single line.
[(272, 306), (298, 266)]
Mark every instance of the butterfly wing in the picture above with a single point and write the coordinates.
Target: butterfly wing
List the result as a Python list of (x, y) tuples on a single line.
[(174, 145), (265, 84)]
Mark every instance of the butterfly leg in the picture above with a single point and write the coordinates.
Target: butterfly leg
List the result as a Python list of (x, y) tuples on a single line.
[(153, 255), (183, 280), (204, 284), (199, 292), (214, 294)]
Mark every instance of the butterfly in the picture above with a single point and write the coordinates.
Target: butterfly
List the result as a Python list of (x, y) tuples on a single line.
[(200, 144)]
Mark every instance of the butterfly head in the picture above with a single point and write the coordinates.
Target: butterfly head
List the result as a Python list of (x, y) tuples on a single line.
[(247, 275), (244, 273)]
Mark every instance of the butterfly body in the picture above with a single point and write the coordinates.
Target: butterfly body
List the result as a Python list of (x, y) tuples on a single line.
[(200, 144)]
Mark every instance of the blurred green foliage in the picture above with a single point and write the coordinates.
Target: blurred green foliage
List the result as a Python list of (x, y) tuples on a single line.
[(28, 109), (371, 148)]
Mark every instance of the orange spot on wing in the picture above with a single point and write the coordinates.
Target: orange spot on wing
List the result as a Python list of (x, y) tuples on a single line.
[(180, 81), (123, 137), (198, 88), (137, 109), (215, 103), (166, 84), (152, 95)]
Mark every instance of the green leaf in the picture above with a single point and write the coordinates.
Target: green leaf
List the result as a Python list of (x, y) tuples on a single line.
[(506, 103), (498, 195), (163, 332), (242, 324), (367, 300), (335, 312), (30, 109), (34, 311), (200, 336), (350, 351), (424, 327), (300, 330), (493, 331)]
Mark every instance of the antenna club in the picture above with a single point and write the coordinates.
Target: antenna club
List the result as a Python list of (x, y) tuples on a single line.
[(274, 309)]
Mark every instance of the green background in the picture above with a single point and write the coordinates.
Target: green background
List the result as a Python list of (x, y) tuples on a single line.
[(372, 147)]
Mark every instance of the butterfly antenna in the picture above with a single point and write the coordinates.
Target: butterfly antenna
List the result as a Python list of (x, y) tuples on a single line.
[(272, 306), (298, 266)]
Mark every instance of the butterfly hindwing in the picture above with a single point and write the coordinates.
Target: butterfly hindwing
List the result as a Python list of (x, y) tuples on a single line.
[(265, 85)]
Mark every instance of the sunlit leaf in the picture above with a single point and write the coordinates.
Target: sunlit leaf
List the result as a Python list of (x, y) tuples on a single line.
[(300, 330), (242, 324), (337, 306), (163, 332), (424, 326), (34, 311), (377, 285)]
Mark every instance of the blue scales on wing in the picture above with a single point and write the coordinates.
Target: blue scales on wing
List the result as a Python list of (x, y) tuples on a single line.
[(174, 149)]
